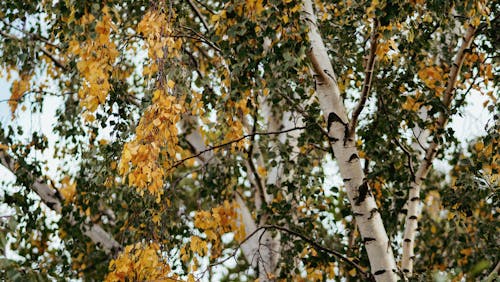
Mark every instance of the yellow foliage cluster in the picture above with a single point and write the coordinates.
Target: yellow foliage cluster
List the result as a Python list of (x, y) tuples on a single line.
[(235, 129), (384, 49), (97, 57), (412, 103), (433, 77), (19, 88), (140, 262), (68, 189), (254, 7), (215, 223), (489, 155), (155, 145), (370, 11), (155, 28)]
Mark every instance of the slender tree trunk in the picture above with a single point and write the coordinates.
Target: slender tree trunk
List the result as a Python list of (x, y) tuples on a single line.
[(414, 202)]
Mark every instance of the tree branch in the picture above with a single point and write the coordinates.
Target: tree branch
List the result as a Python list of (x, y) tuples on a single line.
[(258, 181), (31, 35), (200, 16), (53, 200), (311, 242), (211, 148), (368, 78), (47, 53)]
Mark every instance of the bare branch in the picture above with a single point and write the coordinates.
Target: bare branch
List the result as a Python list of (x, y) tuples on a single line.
[(33, 36), (53, 59), (258, 181), (368, 78), (211, 148), (408, 155), (200, 16), (53, 200), (47, 53)]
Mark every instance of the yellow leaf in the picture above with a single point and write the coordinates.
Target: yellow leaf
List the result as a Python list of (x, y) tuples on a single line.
[(433, 229), (156, 218), (361, 154), (214, 18), (476, 21), (68, 190), (479, 146), (466, 252), (262, 171), (285, 18), (170, 84)]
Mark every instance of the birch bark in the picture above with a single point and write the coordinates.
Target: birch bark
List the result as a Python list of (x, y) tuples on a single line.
[(364, 208), (414, 202)]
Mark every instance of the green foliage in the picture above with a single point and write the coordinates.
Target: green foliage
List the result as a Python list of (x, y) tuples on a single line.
[(234, 68)]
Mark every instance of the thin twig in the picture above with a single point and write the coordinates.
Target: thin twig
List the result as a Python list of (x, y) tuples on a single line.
[(31, 35), (206, 7), (258, 180), (211, 148), (36, 92), (47, 53), (203, 38), (53, 59), (408, 154), (308, 240), (200, 16)]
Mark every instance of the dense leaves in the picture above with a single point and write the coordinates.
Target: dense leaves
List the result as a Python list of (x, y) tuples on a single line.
[(190, 130)]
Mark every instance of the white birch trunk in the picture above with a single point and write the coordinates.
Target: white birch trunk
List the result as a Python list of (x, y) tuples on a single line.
[(364, 208), (414, 202)]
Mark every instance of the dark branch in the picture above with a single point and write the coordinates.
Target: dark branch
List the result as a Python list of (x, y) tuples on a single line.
[(314, 244), (178, 163), (200, 16), (368, 78)]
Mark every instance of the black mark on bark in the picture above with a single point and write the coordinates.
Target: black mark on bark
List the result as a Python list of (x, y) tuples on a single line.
[(363, 190), (378, 272)]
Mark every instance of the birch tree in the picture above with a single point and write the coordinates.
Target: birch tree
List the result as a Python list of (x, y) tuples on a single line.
[(249, 140)]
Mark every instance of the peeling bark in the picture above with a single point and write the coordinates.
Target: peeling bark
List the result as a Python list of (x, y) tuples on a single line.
[(368, 219)]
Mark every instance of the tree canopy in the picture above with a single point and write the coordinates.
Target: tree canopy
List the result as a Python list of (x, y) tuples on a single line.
[(269, 140)]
